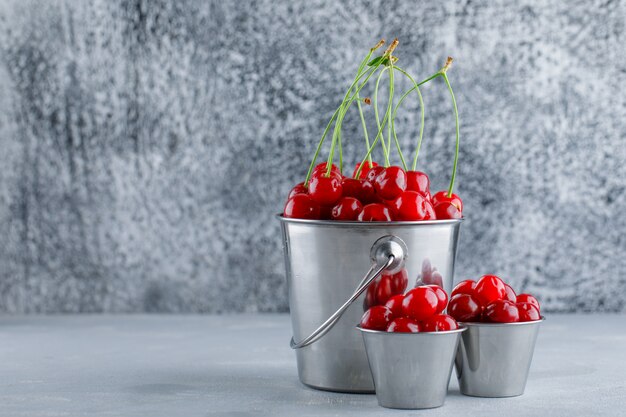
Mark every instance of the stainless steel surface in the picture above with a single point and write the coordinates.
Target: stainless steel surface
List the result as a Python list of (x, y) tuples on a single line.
[(493, 359), (411, 370), (324, 262), (374, 272)]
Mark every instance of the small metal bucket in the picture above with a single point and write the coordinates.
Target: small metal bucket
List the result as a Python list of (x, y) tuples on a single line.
[(493, 359), (327, 263), (411, 370)]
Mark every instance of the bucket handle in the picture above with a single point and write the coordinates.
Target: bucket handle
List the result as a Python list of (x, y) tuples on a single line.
[(387, 253)]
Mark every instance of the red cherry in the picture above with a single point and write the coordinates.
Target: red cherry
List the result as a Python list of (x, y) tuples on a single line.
[(447, 210), (403, 325), (489, 288), (439, 323), (368, 195), (320, 170), (390, 183), (527, 298), (366, 168), (325, 190), (390, 285), (510, 294), (528, 312), (298, 189), (465, 307), (370, 296), (464, 287), (326, 212), (351, 188), (442, 297), (376, 318), (373, 173), (395, 305), (301, 206), (420, 303), (411, 205), (375, 213), (418, 181), (348, 208), (501, 311), (442, 196)]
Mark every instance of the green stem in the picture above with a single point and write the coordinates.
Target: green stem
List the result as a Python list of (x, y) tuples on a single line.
[(392, 130), (422, 110), (456, 120), (367, 139), (344, 109), (376, 109)]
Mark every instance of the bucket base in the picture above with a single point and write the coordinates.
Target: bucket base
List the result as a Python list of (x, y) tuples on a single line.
[(343, 391)]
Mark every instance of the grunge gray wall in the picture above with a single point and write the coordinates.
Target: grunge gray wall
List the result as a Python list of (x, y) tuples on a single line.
[(146, 145)]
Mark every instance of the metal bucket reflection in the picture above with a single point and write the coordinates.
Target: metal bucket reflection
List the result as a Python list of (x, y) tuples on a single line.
[(325, 261)]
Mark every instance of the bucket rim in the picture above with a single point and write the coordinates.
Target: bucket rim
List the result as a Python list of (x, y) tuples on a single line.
[(516, 323), (354, 223), (460, 329)]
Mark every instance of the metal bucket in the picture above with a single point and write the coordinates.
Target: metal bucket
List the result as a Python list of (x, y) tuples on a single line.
[(411, 370), (326, 260), (493, 359)]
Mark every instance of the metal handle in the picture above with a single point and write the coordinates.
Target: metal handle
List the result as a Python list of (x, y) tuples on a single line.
[(387, 253)]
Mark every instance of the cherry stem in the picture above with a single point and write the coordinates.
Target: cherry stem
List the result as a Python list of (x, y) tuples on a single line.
[(367, 139), (456, 120), (385, 152), (391, 125)]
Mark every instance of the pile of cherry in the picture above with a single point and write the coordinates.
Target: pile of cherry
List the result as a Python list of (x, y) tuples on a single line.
[(422, 308), (377, 194)]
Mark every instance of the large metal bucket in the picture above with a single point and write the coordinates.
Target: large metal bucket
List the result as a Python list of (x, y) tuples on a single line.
[(326, 261)]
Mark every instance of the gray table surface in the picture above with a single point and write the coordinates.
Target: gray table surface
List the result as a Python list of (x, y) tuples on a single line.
[(242, 366)]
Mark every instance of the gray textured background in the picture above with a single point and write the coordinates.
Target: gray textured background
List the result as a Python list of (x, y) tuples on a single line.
[(142, 141)]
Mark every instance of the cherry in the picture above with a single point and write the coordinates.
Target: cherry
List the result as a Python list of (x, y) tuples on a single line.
[(390, 183), (403, 325), (395, 305), (348, 208), (326, 212), (376, 318), (351, 188), (420, 303), (510, 293), (418, 181), (489, 288), (301, 206), (390, 285), (527, 298), (366, 168), (368, 194), (439, 323), (370, 296), (375, 213), (442, 196), (464, 287), (447, 210), (411, 205), (325, 190), (298, 189), (320, 170), (442, 297), (465, 307), (373, 173), (528, 312), (501, 311)]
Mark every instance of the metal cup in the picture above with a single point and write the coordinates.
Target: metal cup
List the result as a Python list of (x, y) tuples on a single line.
[(493, 359), (411, 370), (325, 261)]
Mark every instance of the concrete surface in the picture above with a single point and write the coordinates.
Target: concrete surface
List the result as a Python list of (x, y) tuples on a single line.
[(242, 366), (146, 145)]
